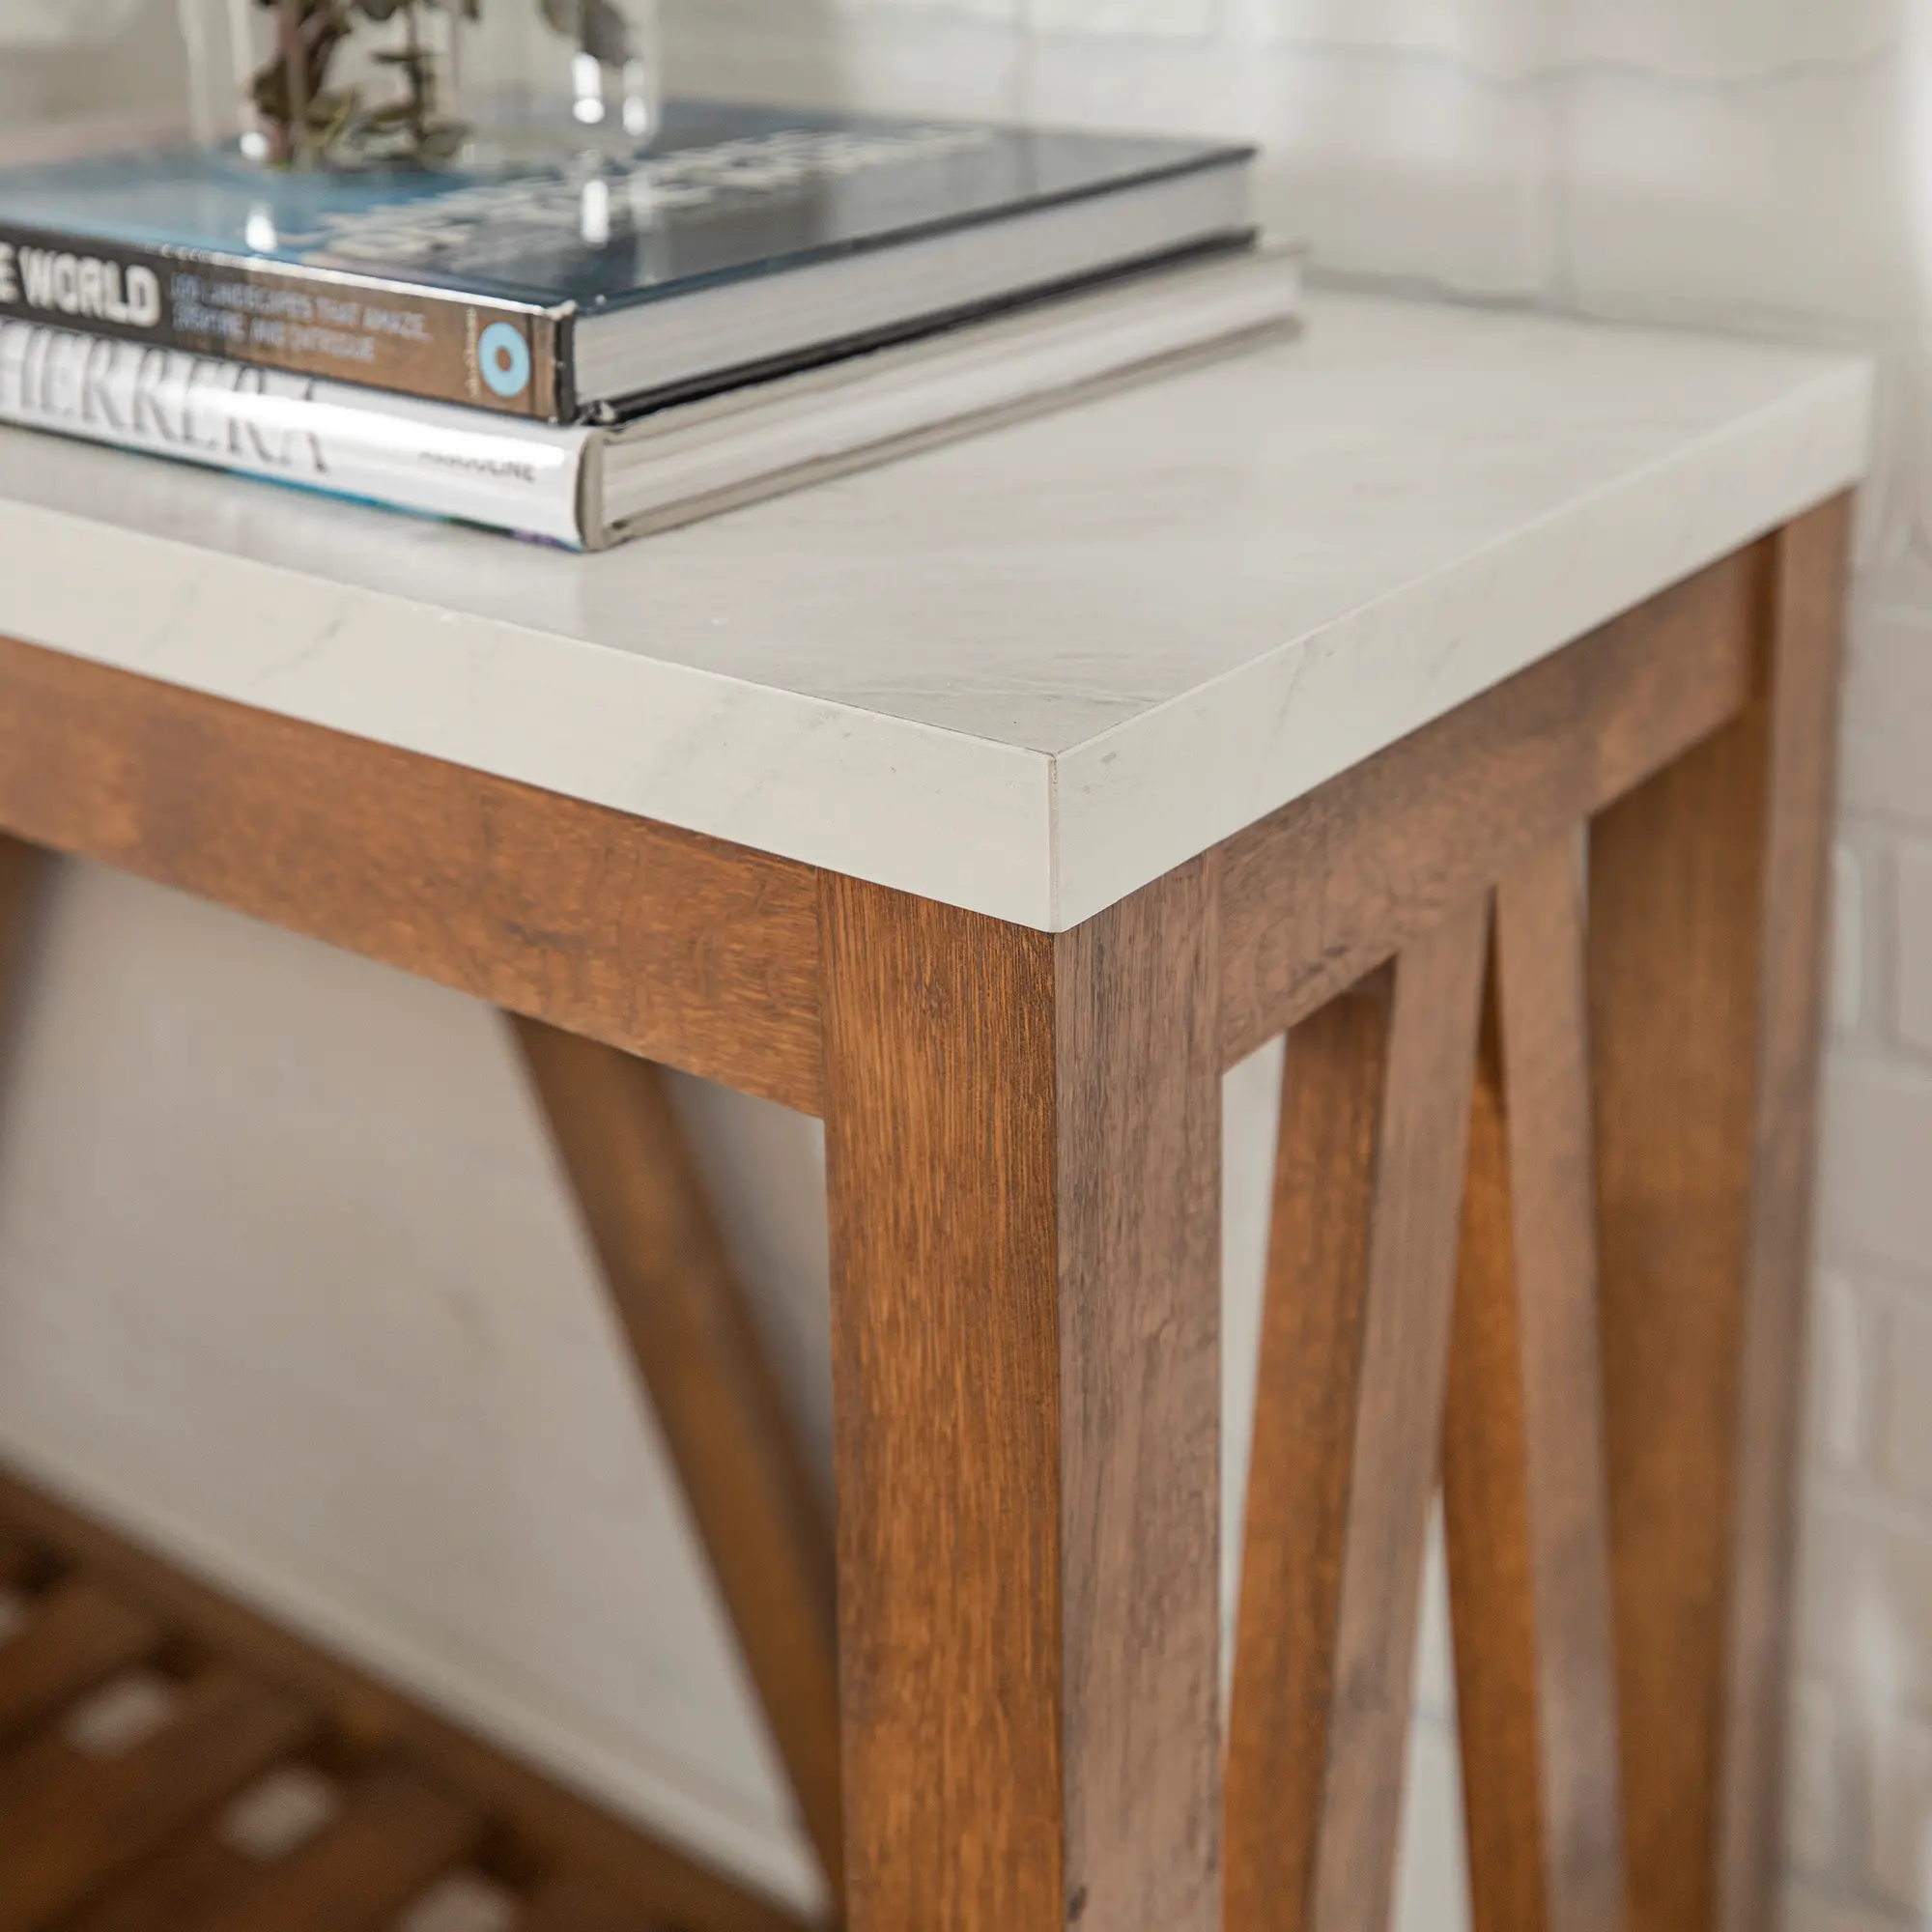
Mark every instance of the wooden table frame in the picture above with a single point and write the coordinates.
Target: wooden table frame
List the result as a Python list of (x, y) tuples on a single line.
[(1576, 1305)]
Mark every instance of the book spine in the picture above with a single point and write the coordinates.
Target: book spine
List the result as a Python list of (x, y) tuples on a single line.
[(412, 340), (427, 457)]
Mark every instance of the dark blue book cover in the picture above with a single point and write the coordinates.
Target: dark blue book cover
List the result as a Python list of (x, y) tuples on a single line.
[(470, 286)]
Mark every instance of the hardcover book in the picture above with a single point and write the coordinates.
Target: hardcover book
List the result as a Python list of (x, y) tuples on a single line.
[(586, 487), (747, 242)]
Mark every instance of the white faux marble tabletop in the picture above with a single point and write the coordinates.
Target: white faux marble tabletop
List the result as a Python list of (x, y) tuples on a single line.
[(1027, 674)]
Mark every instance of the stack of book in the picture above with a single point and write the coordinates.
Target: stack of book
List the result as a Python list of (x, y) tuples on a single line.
[(580, 355)]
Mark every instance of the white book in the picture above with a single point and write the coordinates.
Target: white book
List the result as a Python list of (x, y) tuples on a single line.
[(587, 487)]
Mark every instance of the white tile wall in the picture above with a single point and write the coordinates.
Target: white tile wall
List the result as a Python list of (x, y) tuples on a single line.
[(1901, 1837), (1878, 1125), (1761, 164), (1914, 982), (77, 57), (1848, 939), (1841, 1367), (1818, 1839), (1811, 1909), (57, 23), (1889, 705), (1908, 1406)]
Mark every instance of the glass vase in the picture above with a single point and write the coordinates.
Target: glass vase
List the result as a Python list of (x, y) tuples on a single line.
[(547, 77), (353, 85)]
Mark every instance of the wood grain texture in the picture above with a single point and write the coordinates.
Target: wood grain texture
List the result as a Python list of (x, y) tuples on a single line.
[(395, 1836), (1023, 1145), (702, 955), (566, 1905), (723, 1417), (1805, 649), (1306, 1386), (367, 1719), (178, 1891), (1353, 1361), (1327, 887), (1674, 887), (940, 1154), (77, 1636), (1525, 1491), (1415, 1221), (1139, 1085), (70, 1824), (1707, 895)]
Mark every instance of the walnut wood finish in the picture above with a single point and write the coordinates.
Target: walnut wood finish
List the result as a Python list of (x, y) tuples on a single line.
[(1405, 1327), (558, 1838), (1139, 1251), (697, 1347), (1525, 1491), (396, 1835), (566, 1906), (1298, 1473), (81, 1634), (1803, 671), (1023, 1140), (70, 1824), (180, 1891), (1707, 897), (946, 1399), (1024, 1150), (701, 954), (1355, 1353), (1327, 887)]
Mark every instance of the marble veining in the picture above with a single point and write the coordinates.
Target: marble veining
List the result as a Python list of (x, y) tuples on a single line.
[(1025, 674)]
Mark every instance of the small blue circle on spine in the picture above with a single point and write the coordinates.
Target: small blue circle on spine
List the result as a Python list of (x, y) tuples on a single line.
[(505, 358)]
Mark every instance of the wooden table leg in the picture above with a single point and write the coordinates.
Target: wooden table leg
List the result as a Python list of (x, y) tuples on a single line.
[(1706, 892), (1525, 1494), (695, 1344), (1354, 1349), (1023, 1136)]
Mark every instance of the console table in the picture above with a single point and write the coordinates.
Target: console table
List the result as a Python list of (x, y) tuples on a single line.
[(1453, 691)]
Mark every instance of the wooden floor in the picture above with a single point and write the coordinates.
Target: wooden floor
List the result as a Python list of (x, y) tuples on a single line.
[(171, 1763)]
